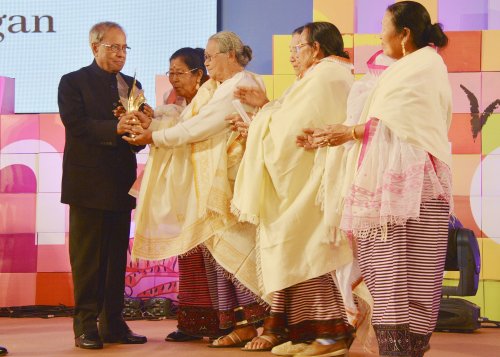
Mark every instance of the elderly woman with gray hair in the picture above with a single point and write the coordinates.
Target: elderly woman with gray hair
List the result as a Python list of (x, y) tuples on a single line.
[(194, 212)]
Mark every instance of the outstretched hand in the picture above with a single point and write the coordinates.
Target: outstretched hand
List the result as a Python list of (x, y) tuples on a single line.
[(236, 123), (333, 135), (306, 140), (253, 96), (139, 136)]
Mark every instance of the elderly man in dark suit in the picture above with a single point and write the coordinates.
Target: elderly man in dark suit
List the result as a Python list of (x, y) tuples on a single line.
[(98, 171)]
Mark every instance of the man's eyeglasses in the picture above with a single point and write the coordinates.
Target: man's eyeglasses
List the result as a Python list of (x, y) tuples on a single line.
[(297, 47), (116, 48), (208, 58), (171, 74)]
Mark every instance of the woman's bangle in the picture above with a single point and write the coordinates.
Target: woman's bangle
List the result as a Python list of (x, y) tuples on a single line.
[(353, 133)]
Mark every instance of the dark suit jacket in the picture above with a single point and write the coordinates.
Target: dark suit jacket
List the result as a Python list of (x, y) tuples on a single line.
[(99, 167)]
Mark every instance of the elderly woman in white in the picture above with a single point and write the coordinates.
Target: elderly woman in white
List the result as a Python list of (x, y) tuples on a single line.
[(194, 212)]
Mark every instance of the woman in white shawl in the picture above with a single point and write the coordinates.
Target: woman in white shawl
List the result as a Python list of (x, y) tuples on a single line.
[(197, 316), (398, 198), (192, 213), (276, 187)]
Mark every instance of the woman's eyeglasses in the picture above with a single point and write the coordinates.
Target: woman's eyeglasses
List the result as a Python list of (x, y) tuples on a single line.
[(297, 47), (171, 74)]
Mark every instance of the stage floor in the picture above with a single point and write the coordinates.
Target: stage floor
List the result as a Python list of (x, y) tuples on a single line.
[(31, 337)]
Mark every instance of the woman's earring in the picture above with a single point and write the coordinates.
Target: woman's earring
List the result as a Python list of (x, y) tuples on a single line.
[(403, 48)]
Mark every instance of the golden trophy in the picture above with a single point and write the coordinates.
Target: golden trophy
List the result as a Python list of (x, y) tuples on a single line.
[(134, 101)]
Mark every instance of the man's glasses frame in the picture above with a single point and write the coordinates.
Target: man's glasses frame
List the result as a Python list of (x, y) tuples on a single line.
[(115, 48)]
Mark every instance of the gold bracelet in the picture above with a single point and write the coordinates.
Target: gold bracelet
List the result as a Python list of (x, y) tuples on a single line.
[(353, 133)]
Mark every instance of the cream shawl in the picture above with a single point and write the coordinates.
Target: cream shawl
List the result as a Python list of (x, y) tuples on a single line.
[(160, 212), (277, 182), (186, 201), (412, 100)]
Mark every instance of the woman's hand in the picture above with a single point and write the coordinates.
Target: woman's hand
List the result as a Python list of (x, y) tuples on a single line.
[(232, 120), (333, 135), (139, 136), (253, 96), (242, 128), (306, 140), (144, 119), (236, 123), (146, 109)]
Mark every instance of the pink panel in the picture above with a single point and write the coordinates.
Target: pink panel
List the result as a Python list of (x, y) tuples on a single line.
[(17, 289), (471, 81), (53, 258), (149, 279), (490, 173), (49, 172), (18, 253), (18, 172), (361, 55), (163, 89), (66, 218), (490, 89), (142, 158), (51, 133), (17, 213), (51, 238), (491, 212), (50, 213), (7, 95), (17, 178), (19, 133)]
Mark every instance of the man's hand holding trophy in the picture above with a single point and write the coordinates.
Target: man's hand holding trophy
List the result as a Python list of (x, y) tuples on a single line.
[(134, 114)]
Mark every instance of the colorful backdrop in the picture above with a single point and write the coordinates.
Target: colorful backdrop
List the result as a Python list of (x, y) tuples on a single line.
[(34, 267)]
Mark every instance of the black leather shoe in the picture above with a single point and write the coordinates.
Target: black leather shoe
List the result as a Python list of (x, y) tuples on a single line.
[(129, 338), (3, 351), (178, 336), (88, 341)]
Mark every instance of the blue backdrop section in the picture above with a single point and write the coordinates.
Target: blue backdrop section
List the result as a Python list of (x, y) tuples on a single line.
[(257, 20), (38, 59)]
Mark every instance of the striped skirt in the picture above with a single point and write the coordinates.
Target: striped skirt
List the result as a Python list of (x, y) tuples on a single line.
[(308, 310), (211, 300), (197, 315), (237, 306), (404, 275)]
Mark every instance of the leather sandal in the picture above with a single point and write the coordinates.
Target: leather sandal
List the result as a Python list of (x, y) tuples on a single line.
[(272, 339), (234, 337)]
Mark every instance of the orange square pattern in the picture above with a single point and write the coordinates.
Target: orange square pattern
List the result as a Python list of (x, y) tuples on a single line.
[(460, 135), (463, 53), (54, 289)]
